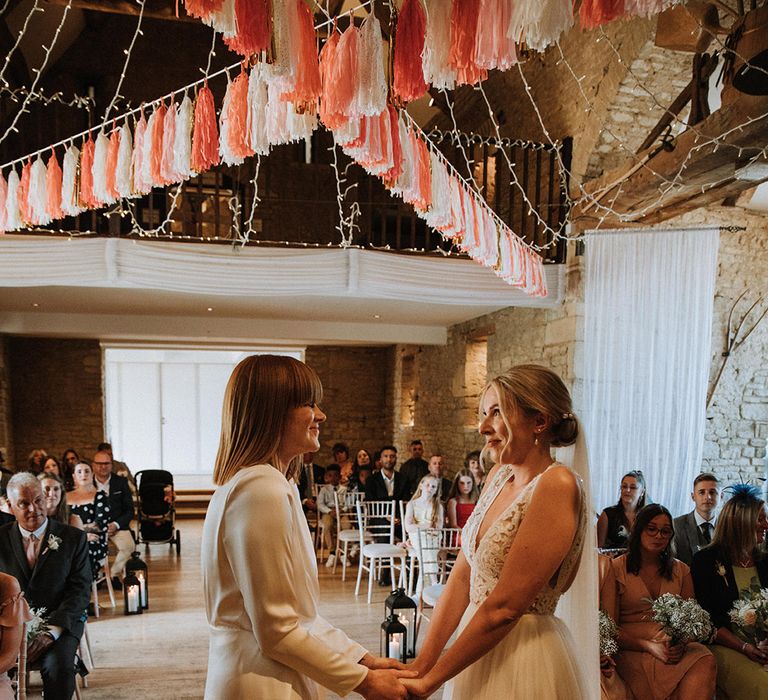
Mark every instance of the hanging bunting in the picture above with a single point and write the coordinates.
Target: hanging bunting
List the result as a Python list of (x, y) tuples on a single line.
[(205, 136), (409, 84), (253, 21)]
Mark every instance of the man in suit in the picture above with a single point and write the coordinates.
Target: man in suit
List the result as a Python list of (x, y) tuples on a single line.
[(436, 468), (414, 469), (694, 530), (50, 562), (121, 509), (386, 484)]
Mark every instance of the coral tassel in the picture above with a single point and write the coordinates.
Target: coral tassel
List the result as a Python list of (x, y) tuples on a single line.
[(329, 112), (112, 155), (23, 193), (156, 149), (87, 198), (202, 8), (205, 136), (409, 81), (390, 177), (307, 86), (463, 32), (254, 27), (344, 72), (53, 187)]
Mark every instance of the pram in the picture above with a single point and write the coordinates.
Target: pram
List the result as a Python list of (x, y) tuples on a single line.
[(156, 523)]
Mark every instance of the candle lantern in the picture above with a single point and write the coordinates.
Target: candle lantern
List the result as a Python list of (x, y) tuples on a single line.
[(401, 606), (136, 566), (394, 639), (132, 593)]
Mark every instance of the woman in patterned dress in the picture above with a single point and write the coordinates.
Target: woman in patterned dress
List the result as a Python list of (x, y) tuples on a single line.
[(92, 508)]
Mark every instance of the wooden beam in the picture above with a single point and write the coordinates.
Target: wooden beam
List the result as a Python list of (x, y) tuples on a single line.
[(154, 9)]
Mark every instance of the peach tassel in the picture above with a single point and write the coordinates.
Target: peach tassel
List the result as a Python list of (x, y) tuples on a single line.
[(202, 8), (111, 175), (594, 13), (234, 122), (390, 177), (254, 27), (344, 72), (87, 198), (3, 196), (493, 48), (307, 87), (156, 152), (425, 177), (464, 16), (329, 112), (409, 83), (205, 135), (23, 196), (54, 178)]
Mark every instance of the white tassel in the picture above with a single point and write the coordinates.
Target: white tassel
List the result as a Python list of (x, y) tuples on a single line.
[(407, 184), (100, 153), (437, 46), (456, 225), (258, 97), (223, 20), (300, 126), (371, 94), (491, 240), (182, 142), (285, 23), (12, 213), (277, 115), (347, 133), (539, 23), (470, 244), (38, 193), (3, 198), (227, 156), (439, 214), (69, 185), (145, 175), (123, 169)]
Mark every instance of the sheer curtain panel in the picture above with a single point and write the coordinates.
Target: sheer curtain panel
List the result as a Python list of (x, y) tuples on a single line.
[(647, 349)]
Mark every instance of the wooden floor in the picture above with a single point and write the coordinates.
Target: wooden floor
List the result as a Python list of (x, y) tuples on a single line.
[(164, 652)]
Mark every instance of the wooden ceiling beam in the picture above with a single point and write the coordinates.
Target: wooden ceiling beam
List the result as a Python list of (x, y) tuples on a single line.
[(154, 9)]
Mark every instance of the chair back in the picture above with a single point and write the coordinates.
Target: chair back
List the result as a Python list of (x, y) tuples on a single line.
[(21, 666), (437, 549), (346, 510), (377, 519)]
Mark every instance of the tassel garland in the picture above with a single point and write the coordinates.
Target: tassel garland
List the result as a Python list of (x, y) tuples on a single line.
[(253, 20), (205, 136), (70, 203), (123, 178), (411, 28), (53, 179)]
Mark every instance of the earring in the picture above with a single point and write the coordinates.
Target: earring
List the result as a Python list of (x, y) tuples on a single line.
[(536, 440)]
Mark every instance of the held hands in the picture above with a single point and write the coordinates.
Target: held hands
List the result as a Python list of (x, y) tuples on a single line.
[(382, 681)]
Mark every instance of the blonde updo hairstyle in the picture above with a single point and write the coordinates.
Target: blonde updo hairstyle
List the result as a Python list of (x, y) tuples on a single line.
[(534, 389)]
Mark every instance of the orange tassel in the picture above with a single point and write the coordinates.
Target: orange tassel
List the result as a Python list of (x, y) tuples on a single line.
[(463, 35), (202, 8), (425, 177), (87, 198), (594, 13), (254, 27), (156, 158), (390, 177), (329, 112), (114, 148), (308, 86), (53, 186), (205, 134), (23, 196), (237, 115), (409, 83)]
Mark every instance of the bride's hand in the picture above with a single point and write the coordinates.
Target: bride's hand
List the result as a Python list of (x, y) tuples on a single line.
[(419, 687), (380, 662), (382, 685)]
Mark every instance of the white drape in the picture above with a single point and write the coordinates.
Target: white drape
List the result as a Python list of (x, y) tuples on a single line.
[(647, 343)]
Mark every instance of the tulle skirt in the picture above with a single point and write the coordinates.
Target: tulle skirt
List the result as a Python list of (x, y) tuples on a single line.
[(536, 661)]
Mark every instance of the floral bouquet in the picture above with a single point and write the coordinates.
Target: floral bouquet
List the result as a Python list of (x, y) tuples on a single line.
[(749, 613), (608, 633), (682, 620), (38, 625)]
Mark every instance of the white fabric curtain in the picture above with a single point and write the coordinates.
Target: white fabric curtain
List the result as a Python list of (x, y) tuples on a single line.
[(647, 347)]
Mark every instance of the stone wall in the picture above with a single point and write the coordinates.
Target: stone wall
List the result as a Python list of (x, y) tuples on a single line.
[(56, 396), (357, 397)]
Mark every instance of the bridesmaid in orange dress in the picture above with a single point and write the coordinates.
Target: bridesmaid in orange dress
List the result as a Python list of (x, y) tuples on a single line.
[(650, 665), (612, 687), (14, 612)]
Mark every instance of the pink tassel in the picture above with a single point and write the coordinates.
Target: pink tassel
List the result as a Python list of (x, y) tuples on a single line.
[(205, 134), (463, 31), (307, 87), (344, 72), (330, 115), (254, 27), (493, 49), (137, 157), (23, 196), (157, 147), (53, 186), (87, 198), (167, 173), (409, 81), (391, 176), (110, 183), (202, 8)]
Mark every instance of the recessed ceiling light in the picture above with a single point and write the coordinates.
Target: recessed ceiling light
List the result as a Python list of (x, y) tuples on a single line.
[(210, 308), (35, 305), (377, 315)]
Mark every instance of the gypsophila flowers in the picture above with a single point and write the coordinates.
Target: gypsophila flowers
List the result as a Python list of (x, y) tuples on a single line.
[(608, 634), (38, 625), (682, 620)]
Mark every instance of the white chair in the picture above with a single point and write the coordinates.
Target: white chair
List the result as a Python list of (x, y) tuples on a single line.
[(411, 561), (106, 576), (436, 551), (377, 520), (346, 515)]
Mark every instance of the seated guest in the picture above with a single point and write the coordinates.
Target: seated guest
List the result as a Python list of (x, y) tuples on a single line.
[(362, 477), (386, 484), (118, 467), (612, 687), (615, 522), (415, 468), (377, 461), (341, 457), (693, 531), (362, 461), (55, 498), (424, 510), (51, 466), (50, 562), (91, 506), (326, 507), (69, 460), (436, 468), (121, 509), (720, 572), (14, 612), (472, 462), (462, 498), (650, 665), (35, 461), (311, 476)]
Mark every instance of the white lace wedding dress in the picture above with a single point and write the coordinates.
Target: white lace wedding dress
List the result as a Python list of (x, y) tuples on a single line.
[(537, 659)]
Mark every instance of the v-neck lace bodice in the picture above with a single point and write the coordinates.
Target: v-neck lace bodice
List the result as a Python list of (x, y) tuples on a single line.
[(486, 558)]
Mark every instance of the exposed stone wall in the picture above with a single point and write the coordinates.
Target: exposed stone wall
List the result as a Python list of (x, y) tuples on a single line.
[(357, 398), (56, 396)]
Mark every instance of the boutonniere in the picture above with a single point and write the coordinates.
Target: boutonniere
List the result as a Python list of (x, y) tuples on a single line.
[(721, 571), (53, 542)]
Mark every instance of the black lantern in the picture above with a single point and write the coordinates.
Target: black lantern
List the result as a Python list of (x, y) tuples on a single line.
[(132, 593), (401, 606), (136, 566), (394, 639)]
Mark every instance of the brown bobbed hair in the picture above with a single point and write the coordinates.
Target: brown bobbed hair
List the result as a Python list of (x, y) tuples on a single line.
[(259, 394), (734, 534), (533, 389), (634, 554)]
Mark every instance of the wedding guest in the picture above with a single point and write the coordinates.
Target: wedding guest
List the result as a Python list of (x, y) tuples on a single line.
[(341, 457), (612, 687), (14, 612), (414, 468), (51, 466), (267, 639), (615, 522), (69, 460), (35, 461), (462, 498), (473, 463), (723, 569), (362, 461), (363, 475), (312, 477), (436, 468), (386, 484), (652, 667), (693, 531), (119, 468), (326, 507), (50, 562), (424, 510), (92, 507), (55, 498)]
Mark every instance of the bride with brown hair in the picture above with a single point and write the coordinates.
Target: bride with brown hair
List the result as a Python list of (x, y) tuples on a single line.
[(267, 639)]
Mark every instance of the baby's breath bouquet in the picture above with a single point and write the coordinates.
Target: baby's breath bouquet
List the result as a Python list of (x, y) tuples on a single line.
[(38, 625), (749, 613), (682, 620), (608, 634)]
